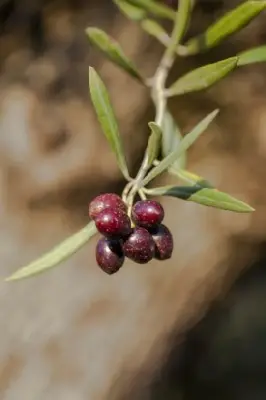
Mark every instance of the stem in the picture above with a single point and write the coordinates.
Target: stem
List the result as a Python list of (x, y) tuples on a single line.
[(157, 84), (142, 194), (158, 97), (127, 190)]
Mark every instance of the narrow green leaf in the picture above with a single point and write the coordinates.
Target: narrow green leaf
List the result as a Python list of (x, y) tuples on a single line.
[(57, 255), (185, 143), (171, 140), (203, 77), (190, 178), (207, 197), (230, 23), (155, 30), (154, 8), (106, 117), (154, 142), (183, 16), (112, 50), (252, 56), (130, 11)]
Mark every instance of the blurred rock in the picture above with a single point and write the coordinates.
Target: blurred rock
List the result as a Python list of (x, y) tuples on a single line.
[(74, 333)]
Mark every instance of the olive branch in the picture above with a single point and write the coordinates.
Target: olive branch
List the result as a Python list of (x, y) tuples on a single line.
[(167, 146)]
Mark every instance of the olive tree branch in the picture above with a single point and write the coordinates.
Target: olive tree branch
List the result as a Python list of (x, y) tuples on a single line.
[(157, 93)]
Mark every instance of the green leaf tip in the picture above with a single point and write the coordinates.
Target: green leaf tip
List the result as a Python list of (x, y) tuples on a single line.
[(112, 50), (252, 56), (57, 255), (104, 111)]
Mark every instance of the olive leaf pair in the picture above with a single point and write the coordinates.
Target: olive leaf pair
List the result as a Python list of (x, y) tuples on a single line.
[(167, 146)]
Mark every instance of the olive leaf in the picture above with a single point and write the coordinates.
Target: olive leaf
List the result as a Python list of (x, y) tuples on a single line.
[(202, 77), (130, 11), (154, 142), (171, 139), (57, 255), (156, 30), (251, 56), (228, 24), (106, 117), (190, 178), (154, 8), (206, 196), (112, 50), (185, 143), (182, 20)]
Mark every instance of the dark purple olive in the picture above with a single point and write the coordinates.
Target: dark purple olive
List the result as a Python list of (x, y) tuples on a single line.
[(163, 240), (147, 213), (113, 223), (104, 201), (109, 255), (139, 246)]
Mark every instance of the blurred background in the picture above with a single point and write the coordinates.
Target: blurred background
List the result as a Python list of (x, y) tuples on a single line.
[(191, 327)]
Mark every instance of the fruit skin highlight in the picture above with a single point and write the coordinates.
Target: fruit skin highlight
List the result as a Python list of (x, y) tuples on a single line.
[(147, 213), (113, 223), (104, 201), (164, 243), (139, 246), (109, 255)]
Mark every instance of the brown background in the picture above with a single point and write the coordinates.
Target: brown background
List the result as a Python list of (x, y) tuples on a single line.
[(74, 333)]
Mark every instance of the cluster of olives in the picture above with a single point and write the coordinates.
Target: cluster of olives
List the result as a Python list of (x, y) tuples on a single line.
[(141, 238)]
